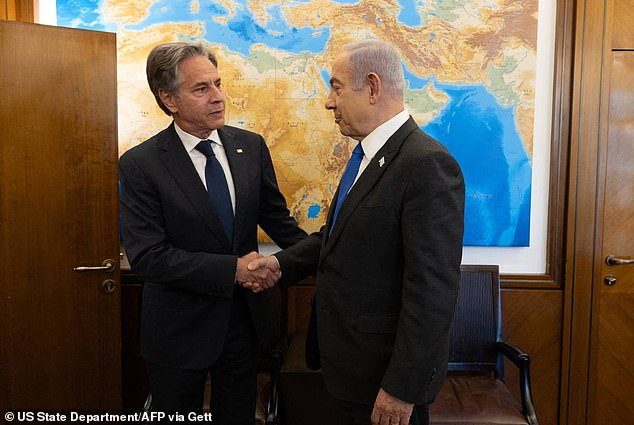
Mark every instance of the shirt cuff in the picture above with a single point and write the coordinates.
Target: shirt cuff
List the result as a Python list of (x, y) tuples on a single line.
[(278, 265)]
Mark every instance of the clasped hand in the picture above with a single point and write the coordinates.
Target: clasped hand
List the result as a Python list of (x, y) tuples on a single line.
[(257, 272)]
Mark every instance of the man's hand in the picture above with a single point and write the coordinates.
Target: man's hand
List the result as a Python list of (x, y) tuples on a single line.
[(256, 278), (389, 410), (262, 265)]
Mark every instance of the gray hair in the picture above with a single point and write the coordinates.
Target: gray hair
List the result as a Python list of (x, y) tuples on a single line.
[(162, 66), (380, 58)]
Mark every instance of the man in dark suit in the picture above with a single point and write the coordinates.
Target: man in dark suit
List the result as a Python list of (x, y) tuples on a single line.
[(192, 197), (387, 261)]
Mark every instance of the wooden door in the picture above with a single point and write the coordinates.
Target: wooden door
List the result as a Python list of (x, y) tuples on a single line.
[(612, 368), (611, 379), (59, 328)]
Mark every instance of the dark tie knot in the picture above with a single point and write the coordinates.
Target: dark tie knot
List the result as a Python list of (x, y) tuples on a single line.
[(204, 147)]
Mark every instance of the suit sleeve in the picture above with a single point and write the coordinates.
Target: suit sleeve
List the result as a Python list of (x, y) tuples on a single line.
[(151, 255), (432, 229), (274, 216), (300, 260)]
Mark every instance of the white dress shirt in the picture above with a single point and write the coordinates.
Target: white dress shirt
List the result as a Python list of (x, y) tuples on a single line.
[(200, 160), (374, 141)]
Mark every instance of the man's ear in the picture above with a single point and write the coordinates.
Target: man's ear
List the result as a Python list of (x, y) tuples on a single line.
[(168, 100), (374, 83)]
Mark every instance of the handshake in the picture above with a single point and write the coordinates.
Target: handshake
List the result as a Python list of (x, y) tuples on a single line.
[(257, 272)]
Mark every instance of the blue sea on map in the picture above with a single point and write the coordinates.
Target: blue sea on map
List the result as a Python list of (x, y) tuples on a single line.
[(475, 128), (481, 135)]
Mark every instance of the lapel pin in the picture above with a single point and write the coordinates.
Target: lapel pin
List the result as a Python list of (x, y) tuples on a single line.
[(382, 161), (239, 150)]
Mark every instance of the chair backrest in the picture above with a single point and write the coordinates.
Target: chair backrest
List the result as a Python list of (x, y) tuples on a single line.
[(477, 323)]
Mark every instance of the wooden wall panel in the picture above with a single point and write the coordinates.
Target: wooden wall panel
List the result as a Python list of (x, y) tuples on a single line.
[(622, 34), (17, 10), (532, 320), (299, 298)]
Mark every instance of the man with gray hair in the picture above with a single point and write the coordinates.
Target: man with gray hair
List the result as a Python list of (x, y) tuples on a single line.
[(387, 261), (192, 197)]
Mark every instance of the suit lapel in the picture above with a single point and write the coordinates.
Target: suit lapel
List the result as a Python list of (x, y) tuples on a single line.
[(368, 179), (238, 158), (179, 164)]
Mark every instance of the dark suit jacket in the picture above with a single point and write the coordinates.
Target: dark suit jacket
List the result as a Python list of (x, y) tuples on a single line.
[(176, 243), (387, 276)]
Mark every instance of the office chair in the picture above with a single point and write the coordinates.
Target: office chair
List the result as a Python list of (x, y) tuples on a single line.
[(474, 391)]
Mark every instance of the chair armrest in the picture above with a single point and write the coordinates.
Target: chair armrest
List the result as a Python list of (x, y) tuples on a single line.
[(522, 361), (513, 353)]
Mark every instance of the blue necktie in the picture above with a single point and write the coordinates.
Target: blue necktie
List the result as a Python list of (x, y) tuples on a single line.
[(217, 188), (347, 179)]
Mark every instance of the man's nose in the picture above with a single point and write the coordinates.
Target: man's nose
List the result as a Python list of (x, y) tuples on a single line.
[(216, 95), (330, 104)]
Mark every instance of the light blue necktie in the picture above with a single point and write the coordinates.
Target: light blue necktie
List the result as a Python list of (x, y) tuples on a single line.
[(348, 179), (217, 187)]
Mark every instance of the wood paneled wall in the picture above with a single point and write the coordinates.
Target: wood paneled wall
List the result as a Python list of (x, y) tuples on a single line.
[(532, 322), (622, 20), (17, 10)]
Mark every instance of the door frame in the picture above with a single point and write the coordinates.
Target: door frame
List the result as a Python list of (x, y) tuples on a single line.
[(587, 166)]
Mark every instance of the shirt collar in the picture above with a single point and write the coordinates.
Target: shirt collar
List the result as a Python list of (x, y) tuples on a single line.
[(378, 137), (190, 141)]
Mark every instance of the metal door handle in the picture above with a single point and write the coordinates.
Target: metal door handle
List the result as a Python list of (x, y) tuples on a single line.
[(107, 266), (613, 260)]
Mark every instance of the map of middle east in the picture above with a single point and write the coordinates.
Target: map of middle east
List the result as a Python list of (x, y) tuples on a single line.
[(469, 65)]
